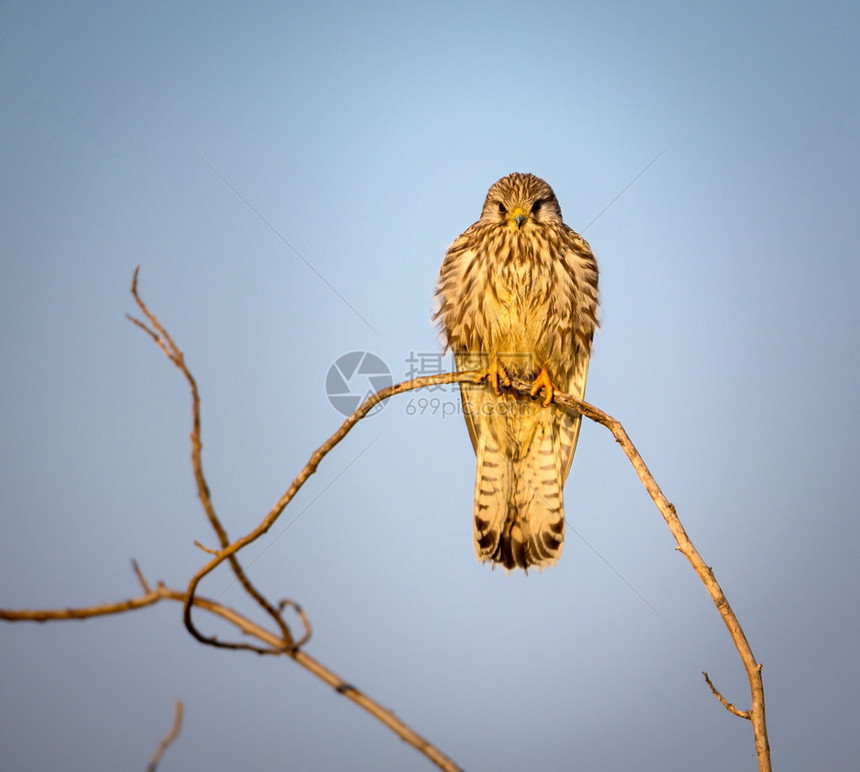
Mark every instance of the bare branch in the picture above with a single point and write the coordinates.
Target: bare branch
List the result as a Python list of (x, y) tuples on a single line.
[(169, 738)]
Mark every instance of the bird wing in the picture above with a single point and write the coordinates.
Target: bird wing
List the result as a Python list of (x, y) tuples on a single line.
[(571, 422), (475, 397)]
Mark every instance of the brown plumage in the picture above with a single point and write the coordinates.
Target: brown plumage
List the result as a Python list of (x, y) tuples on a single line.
[(517, 295)]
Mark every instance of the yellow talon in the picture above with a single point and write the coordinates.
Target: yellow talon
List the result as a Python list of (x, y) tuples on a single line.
[(496, 374), (543, 381)]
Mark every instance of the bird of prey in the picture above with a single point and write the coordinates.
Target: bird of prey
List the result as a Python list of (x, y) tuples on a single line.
[(517, 297)]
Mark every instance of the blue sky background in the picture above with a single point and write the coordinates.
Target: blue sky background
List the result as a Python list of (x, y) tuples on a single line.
[(367, 135)]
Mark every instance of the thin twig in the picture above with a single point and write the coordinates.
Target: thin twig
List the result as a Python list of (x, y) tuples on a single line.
[(306, 623), (140, 577), (726, 704), (169, 738), (204, 548)]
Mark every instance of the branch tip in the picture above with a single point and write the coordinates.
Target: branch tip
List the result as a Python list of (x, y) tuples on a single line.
[(140, 577), (291, 646), (747, 714)]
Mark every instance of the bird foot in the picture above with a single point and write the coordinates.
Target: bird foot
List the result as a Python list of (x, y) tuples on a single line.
[(496, 375), (543, 381)]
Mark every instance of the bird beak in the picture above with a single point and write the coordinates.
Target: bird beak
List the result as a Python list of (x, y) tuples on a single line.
[(519, 216)]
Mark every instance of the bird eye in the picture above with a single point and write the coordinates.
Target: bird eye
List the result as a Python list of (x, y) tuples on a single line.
[(502, 208), (536, 206)]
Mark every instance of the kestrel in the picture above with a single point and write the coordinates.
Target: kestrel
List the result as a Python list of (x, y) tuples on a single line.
[(517, 296)]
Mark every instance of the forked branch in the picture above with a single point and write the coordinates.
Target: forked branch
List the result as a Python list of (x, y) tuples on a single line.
[(269, 640)]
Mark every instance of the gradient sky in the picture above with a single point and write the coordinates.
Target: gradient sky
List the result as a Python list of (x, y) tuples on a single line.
[(288, 177)]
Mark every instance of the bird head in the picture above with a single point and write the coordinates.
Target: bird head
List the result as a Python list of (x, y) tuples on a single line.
[(518, 200)]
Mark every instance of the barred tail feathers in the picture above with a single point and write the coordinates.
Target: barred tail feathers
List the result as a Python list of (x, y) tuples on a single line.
[(519, 507), (493, 490)]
